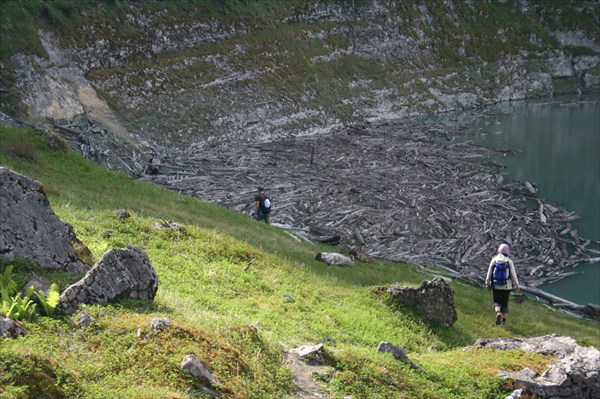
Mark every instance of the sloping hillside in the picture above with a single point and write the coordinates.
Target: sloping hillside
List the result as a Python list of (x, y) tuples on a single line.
[(129, 82), (237, 319)]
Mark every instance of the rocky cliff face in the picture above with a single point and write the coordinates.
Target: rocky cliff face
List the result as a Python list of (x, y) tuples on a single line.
[(193, 77)]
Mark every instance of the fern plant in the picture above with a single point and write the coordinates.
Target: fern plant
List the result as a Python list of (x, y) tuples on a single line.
[(19, 307), (50, 302), (8, 286)]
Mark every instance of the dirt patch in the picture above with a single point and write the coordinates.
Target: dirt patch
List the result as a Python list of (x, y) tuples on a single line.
[(99, 111), (307, 387)]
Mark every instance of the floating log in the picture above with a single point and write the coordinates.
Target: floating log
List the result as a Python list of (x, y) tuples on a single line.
[(530, 188), (543, 218), (588, 311)]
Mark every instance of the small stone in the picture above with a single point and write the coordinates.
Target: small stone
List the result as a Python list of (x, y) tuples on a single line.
[(84, 320), (197, 369), (289, 297), (160, 323), (122, 214), (398, 353)]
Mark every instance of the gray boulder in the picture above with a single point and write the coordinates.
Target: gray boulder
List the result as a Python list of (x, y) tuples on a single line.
[(119, 274), (10, 328), (38, 284), (574, 375), (30, 229), (433, 300), (334, 258)]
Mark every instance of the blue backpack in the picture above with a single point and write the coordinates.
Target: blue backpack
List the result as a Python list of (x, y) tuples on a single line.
[(501, 273)]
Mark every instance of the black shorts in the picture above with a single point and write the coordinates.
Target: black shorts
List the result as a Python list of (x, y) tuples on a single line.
[(501, 299)]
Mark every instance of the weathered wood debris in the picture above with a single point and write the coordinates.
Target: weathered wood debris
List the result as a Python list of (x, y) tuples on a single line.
[(400, 190)]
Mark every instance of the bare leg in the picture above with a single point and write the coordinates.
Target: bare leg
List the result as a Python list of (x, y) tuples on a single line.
[(498, 314)]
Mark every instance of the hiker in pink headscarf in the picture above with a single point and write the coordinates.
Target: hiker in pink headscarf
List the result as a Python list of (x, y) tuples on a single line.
[(501, 278)]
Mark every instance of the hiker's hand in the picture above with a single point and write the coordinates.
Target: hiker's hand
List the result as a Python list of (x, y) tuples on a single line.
[(488, 287), (518, 288)]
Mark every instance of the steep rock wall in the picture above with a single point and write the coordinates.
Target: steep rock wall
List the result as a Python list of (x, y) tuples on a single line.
[(193, 79)]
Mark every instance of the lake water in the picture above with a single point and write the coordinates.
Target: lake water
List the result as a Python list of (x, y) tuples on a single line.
[(558, 144)]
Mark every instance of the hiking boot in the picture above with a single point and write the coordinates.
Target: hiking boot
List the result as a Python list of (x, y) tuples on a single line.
[(503, 322), (498, 318)]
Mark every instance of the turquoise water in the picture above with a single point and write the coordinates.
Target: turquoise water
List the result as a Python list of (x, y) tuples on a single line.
[(558, 143)]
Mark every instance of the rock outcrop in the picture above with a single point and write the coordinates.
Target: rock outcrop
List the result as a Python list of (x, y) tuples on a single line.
[(119, 274), (248, 93), (30, 229), (433, 300), (574, 375)]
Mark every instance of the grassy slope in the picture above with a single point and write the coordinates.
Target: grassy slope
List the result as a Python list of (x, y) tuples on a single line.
[(236, 321)]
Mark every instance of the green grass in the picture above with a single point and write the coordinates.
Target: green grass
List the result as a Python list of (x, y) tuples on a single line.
[(577, 51), (237, 321)]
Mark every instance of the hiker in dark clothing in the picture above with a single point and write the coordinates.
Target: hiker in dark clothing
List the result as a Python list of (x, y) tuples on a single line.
[(501, 277), (262, 209)]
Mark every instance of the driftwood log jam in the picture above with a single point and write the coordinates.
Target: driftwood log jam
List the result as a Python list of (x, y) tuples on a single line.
[(402, 191)]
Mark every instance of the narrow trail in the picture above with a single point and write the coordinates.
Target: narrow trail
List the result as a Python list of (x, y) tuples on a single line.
[(307, 387)]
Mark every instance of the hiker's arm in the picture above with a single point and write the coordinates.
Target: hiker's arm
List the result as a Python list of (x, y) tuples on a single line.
[(488, 277), (513, 275)]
